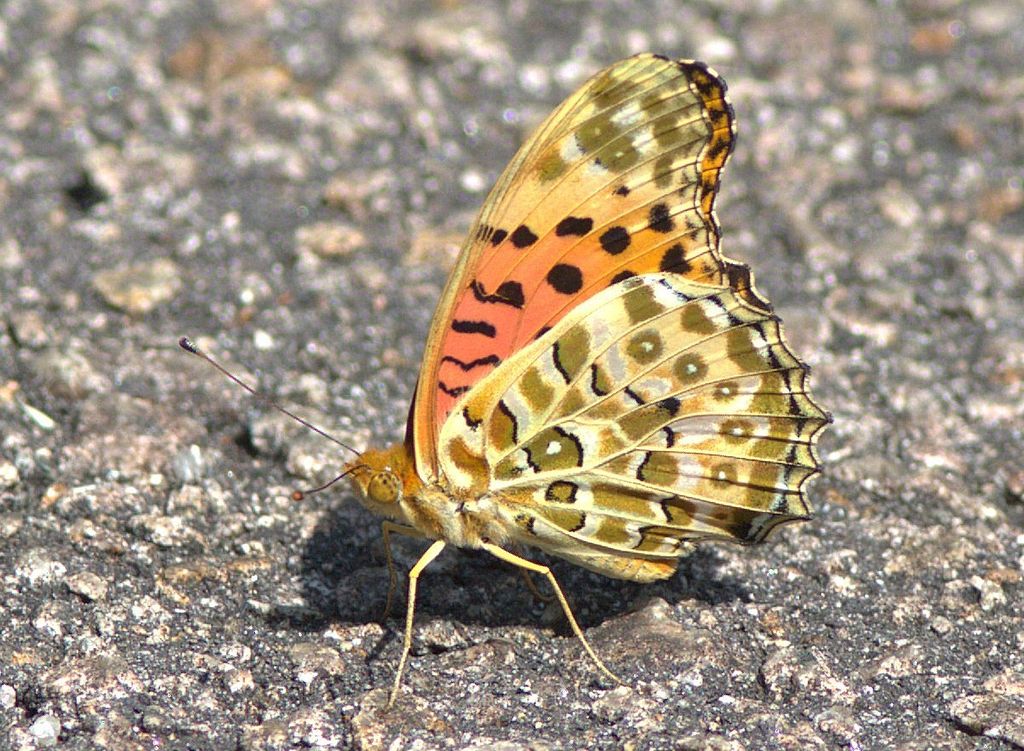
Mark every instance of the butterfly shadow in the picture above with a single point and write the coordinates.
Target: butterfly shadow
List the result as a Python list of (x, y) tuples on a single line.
[(345, 580)]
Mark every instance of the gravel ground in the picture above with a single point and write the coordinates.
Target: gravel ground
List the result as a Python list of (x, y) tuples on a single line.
[(287, 182)]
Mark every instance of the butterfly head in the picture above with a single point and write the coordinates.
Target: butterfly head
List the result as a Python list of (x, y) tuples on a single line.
[(382, 476)]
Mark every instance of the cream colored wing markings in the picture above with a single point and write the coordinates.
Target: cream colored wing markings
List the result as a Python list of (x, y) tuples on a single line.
[(646, 215), (633, 159), (660, 411)]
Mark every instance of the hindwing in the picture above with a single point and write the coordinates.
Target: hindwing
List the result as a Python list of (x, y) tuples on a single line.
[(659, 411)]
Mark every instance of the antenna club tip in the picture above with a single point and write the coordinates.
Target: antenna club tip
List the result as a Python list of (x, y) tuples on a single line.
[(298, 495), (186, 344)]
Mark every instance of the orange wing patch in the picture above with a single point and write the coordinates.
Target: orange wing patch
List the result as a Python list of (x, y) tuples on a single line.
[(620, 181)]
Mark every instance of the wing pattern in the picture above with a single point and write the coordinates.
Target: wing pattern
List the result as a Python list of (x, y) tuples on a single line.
[(658, 412), (619, 181)]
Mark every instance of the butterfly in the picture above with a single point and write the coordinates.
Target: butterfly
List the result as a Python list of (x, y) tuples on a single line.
[(599, 382)]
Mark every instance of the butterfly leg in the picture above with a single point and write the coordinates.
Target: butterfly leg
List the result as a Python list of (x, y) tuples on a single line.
[(386, 528), (431, 553), (536, 568), (530, 585)]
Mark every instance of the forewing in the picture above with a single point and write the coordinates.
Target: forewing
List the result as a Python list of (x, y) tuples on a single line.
[(660, 411), (619, 181)]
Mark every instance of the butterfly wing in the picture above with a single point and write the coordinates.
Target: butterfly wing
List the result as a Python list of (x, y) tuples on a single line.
[(657, 412), (619, 181)]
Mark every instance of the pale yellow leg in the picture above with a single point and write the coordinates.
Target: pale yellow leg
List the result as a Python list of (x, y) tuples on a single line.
[(536, 568), (530, 585), (386, 528), (431, 553)]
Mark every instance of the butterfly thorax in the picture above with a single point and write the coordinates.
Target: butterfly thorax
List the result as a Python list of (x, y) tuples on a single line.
[(390, 486)]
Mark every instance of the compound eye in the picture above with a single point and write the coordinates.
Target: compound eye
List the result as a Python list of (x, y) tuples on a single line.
[(384, 487)]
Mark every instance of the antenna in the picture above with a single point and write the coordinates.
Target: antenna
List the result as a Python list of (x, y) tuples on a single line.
[(186, 344), (298, 495)]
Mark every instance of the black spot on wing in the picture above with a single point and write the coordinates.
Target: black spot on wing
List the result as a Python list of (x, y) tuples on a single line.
[(614, 240), (675, 260), (474, 327), (670, 405), (523, 236), (659, 218), (565, 278), (512, 293), (508, 293), (577, 226)]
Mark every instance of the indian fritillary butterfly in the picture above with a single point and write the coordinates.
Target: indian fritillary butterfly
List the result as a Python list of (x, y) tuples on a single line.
[(599, 381)]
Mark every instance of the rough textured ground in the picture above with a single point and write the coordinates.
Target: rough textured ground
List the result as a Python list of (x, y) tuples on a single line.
[(286, 182)]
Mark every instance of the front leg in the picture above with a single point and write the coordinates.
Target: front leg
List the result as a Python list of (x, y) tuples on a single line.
[(414, 574), (386, 528)]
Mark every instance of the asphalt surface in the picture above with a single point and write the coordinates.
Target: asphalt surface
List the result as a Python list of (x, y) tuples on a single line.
[(288, 182)]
